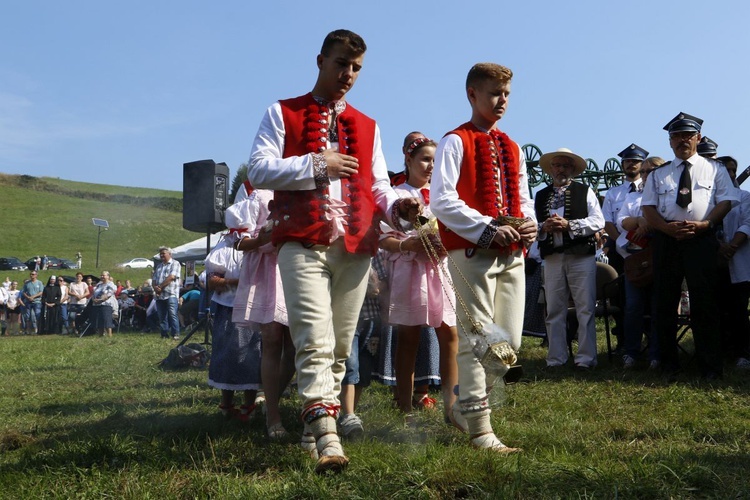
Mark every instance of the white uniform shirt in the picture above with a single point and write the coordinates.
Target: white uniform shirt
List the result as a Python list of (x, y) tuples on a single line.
[(268, 169), (631, 207), (738, 220), (711, 185), (445, 203), (614, 199)]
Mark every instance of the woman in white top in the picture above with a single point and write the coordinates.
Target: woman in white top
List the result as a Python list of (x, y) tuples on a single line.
[(104, 305), (13, 309)]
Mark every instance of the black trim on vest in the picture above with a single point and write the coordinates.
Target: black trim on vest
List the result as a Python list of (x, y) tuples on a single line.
[(575, 208)]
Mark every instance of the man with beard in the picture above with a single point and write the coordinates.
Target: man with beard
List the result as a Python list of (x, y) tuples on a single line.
[(570, 217), (683, 201), (632, 159)]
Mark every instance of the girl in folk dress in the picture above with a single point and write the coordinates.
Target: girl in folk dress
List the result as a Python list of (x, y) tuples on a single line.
[(260, 301), (235, 360), (418, 291)]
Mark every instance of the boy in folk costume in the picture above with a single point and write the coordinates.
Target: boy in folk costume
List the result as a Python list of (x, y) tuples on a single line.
[(324, 161), (479, 177)]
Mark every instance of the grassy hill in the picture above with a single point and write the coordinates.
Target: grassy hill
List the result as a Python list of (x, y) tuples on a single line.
[(53, 217)]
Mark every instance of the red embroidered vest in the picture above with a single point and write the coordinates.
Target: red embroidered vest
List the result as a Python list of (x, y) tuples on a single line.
[(482, 185), (301, 215)]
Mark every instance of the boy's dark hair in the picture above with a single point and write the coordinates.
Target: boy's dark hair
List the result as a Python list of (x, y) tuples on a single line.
[(481, 72), (352, 41)]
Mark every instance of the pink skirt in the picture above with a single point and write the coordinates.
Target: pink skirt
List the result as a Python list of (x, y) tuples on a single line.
[(417, 295), (260, 296)]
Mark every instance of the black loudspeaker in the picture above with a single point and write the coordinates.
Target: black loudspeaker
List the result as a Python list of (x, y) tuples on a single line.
[(204, 195)]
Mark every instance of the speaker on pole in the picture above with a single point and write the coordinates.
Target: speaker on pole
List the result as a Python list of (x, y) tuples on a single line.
[(204, 195)]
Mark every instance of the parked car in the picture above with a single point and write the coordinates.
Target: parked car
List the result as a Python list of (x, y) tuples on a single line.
[(12, 264), (52, 263), (137, 263), (67, 264)]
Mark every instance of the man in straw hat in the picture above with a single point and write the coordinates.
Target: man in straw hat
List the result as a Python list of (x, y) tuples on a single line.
[(683, 201), (570, 217)]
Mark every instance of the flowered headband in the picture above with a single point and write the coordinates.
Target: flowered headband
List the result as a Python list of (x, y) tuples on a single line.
[(416, 143)]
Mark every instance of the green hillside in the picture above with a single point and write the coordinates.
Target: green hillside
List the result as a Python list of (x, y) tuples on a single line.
[(53, 217)]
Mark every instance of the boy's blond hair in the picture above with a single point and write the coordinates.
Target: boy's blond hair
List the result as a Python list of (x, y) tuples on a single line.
[(482, 72)]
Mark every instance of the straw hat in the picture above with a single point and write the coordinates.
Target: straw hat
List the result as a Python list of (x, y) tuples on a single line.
[(546, 161)]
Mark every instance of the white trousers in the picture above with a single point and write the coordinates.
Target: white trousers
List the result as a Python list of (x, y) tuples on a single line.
[(566, 276), (324, 288), (494, 290)]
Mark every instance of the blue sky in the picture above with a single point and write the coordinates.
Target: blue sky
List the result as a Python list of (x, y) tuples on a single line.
[(126, 92)]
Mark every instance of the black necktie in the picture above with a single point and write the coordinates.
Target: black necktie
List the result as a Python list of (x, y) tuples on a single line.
[(685, 194), (632, 188)]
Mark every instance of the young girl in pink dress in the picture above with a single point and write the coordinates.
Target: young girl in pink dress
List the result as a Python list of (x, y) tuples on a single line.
[(260, 300), (418, 291)]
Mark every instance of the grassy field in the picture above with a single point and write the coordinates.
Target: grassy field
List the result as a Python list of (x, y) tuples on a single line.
[(95, 418), (56, 221)]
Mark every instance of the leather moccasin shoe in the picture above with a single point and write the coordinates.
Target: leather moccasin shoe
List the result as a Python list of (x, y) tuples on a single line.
[(333, 464)]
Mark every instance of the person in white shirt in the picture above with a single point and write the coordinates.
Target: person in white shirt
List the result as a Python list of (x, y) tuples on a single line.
[(486, 219), (735, 250), (631, 163), (3, 306), (635, 235), (570, 217), (683, 201), (324, 161)]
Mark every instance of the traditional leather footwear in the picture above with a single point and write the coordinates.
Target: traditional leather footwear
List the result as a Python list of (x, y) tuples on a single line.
[(457, 419), (331, 463), (488, 441)]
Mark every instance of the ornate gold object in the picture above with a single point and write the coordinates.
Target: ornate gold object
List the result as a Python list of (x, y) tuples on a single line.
[(496, 357), (507, 220)]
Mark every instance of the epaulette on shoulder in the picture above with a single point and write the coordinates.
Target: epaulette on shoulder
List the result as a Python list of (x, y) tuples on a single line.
[(663, 165)]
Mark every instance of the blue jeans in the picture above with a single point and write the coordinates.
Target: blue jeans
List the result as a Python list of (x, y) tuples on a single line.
[(33, 312), (169, 323), (64, 314)]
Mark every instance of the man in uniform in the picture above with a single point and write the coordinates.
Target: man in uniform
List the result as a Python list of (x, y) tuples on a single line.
[(631, 160), (683, 201), (707, 147)]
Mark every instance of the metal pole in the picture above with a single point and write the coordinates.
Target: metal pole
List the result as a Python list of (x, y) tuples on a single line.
[(98, 237)]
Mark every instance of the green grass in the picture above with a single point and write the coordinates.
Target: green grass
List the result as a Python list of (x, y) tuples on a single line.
[(66, 185), (57, 221), (94, 417)]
